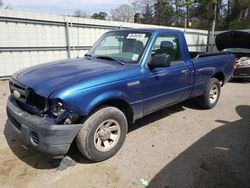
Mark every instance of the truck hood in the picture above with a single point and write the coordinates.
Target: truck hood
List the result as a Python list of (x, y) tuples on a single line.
[(46, 78), (232, 39)]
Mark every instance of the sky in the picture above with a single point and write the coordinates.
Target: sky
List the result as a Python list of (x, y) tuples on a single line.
[(64, 7)]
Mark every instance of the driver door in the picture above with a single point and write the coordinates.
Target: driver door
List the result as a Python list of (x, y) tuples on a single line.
[(164, 86)]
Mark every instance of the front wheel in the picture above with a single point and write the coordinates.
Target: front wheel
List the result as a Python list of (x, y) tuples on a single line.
[(102, 134), (211, 94)]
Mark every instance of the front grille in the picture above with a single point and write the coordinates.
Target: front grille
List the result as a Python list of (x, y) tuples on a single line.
[(28, 99), (37, 101), (34, 138), (242, 72), (21, 89)]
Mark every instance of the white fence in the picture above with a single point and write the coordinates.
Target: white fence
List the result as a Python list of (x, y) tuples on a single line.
[(28, 39)]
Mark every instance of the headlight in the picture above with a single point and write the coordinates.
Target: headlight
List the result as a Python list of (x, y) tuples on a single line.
[(56, 107), (62, 116)]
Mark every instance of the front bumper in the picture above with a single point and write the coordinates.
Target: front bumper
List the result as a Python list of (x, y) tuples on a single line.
[(53, 140)]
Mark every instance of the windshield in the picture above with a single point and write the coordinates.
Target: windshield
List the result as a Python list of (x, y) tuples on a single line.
[(125, 46)]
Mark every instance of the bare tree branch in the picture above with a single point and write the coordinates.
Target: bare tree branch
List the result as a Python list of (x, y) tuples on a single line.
[(124, 13)]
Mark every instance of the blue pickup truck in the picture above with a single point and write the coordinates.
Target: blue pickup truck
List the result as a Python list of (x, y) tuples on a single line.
[(125, 76)]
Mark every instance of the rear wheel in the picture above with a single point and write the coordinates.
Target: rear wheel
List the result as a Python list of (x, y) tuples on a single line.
[(102, 134), (211, 94)]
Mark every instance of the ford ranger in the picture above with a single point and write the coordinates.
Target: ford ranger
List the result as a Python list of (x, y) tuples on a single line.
[(125, 76)]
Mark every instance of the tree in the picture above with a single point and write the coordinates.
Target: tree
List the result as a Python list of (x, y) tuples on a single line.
[(100, 15), (179, 13), (238, 15), (228, 14), (124, 13), (148, 15), (245, 10), (163, 13), (80, 14), (3, 6), (138, 18), (140, 5), (203, 13), (144, 11), (183, 9)]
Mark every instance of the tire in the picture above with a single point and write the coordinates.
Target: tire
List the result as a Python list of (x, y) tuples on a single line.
[(102, 134), (211, 94)]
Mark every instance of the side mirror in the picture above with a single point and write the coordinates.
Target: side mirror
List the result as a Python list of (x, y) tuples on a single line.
[(160, 60)]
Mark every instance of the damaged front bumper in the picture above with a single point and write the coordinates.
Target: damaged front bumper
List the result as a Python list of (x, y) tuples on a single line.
[(51, 139)]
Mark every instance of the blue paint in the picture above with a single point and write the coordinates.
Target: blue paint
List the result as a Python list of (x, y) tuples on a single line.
[(84, 83)]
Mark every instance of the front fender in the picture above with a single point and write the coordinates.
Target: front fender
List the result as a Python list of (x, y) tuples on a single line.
[(84, 101)]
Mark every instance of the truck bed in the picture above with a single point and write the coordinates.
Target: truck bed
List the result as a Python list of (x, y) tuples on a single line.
[(195, 55)]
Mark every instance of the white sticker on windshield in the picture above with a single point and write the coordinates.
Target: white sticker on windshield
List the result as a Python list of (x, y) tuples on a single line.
[(137, 36), (135, 57)]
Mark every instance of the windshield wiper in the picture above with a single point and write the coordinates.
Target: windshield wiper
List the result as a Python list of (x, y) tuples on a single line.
[(110, 58)]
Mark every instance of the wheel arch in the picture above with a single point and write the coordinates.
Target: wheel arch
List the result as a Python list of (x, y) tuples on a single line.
[(115, 100), (122, 105), (220, 76)]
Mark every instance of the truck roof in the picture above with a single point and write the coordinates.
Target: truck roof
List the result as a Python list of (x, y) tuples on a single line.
[(150, 30)]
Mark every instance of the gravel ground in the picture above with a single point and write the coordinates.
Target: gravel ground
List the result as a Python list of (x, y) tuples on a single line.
[(181, 146)]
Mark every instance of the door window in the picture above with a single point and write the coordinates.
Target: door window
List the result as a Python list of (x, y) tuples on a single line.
[(169, 45)]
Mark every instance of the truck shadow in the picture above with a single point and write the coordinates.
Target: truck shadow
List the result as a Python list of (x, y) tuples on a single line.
[(157, 116), (33, 157), (77, 156), (218, 159), (39, 161), (28, 155)]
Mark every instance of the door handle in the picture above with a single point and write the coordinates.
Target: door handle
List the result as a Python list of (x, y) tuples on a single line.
[(185, 71)]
